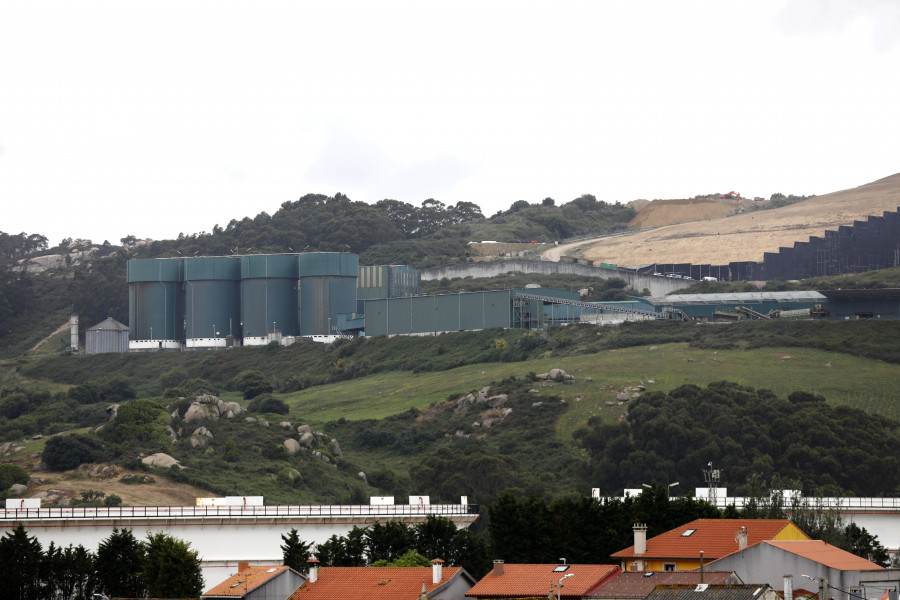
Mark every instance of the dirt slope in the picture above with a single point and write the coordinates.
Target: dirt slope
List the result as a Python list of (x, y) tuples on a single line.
[(747, 236), (659, 213)]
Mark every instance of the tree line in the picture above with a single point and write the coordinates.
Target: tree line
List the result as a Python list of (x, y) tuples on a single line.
[(826, 449), (162, 566)]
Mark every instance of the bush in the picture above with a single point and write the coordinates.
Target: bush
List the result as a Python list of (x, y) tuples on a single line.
[(252, 384), (67, 452), (86, 393), (268, 404), (112, 500), (12, 474)]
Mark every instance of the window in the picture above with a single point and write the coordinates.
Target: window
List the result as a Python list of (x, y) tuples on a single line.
[(688, 532), (668, 566)]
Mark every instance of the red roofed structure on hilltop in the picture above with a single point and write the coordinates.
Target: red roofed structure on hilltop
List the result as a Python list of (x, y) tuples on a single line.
[(385, 583), (680, 548), (539, 581)]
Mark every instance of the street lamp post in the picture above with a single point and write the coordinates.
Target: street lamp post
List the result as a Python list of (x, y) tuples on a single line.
[(668, 488), (559, 585)]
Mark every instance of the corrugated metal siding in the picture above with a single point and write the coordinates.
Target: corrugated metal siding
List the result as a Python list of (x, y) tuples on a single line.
[(155, 298), (99, 341), (269, 294), (435, 314), (212, 296)]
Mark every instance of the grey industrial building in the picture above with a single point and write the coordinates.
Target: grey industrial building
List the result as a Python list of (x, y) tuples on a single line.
[(219, 302)]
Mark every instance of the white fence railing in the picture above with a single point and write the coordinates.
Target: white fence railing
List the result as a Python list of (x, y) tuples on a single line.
[(235, 512)]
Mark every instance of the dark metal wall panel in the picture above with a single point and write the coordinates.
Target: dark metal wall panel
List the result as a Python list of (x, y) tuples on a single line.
[(322, 298), (269, 298), (105, 340), (156, 310), (269, 305), (212, 308)]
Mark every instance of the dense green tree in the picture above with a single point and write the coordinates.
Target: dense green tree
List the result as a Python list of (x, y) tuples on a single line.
[(21, 558), (267, 403), (583, 529), (65, 452), (69, 573), (120, 559), (672, 435), (140, 422), (11, 474), (387, 541), (472, 470), (344, 551), (171, 569), (295, 552), (252, 383), (410, 558)]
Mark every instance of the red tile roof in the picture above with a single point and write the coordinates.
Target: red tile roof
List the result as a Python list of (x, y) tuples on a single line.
[(371, 583), (245, 581), (824, 554), (715, 537), (639, 584), (535, 580)]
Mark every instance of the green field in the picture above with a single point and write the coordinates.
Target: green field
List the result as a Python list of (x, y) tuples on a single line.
[(862, 383)]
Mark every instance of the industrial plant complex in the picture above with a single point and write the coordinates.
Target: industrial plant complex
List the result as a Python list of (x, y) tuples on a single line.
[(217, 302)]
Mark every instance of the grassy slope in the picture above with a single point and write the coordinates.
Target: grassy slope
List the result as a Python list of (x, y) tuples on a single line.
[(863, 383)]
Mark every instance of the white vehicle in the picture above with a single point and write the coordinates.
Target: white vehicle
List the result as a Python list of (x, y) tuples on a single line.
[(710, 279)]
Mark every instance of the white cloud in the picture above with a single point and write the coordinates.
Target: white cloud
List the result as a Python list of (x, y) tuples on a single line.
[(152, 119)]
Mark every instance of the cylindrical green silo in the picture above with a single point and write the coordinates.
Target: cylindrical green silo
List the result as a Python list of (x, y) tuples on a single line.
[(268, 297), (155, 303), (211, 300), (327, 288)]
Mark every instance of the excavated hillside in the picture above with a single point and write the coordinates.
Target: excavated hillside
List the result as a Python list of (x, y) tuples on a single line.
[(745, 237), (659, 213)]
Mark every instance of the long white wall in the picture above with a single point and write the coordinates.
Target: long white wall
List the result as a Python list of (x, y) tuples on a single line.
[(222, 536)]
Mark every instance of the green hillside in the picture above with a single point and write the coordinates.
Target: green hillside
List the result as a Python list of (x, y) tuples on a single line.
[(391, 409)]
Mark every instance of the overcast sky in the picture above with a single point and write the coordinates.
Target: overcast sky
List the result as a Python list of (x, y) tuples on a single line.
[(154, 118)]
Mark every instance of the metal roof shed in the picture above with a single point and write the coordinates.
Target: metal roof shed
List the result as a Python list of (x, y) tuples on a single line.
[(107, 336)]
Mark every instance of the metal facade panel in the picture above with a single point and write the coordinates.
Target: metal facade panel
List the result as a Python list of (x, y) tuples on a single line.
[(269, 305), (212, 308), (212, 268), (342, 264), (155, 310), (155, 269), (269, 300), (322, 298), (447, 312), (269, 266), (100, 341), (376, 312)]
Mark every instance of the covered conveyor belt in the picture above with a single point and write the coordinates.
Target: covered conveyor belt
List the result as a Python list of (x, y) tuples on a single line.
[(607, 307)]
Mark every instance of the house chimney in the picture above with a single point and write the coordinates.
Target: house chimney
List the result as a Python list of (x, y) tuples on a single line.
[(243, 565), (437, 570), (742, 538), (640, 538), (498, 567), (313, 570), (788, 586)]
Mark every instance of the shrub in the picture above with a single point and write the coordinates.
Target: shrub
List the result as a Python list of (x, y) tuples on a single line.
[(252, 384), (62, 453), (268, 404), (112, 500), (12, 474)]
